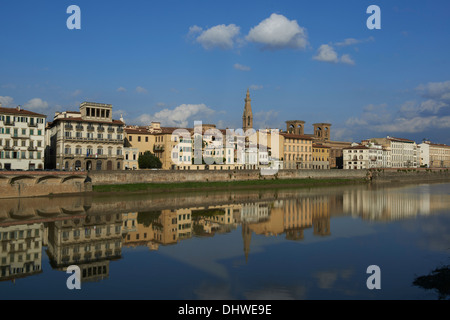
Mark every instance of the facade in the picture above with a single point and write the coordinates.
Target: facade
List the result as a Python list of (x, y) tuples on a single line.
[(131, 156), (320, 156), (86, 140), (403, 152), (22, 139), (297, 150), (433, 155), (356, 157)]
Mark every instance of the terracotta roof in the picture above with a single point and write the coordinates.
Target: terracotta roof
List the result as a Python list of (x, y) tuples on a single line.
[(296, 136), (90, 121), (438, 145), (320, 146), (20, 112), (399, 139), (356, 147)]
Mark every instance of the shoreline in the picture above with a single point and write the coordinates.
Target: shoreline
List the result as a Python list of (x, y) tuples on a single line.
[(140, 188)]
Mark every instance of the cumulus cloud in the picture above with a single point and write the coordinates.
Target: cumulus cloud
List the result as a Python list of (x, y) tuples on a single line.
[(347, 59), (6, 101), (425, 114), (435, 90), (220, 36), (141, 90), (36, 104), (241, 67), (278, 32), (121, 89), (76, 93), (177, 117), (326, 53)]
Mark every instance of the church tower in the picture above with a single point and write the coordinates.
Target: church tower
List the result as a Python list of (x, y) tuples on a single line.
[(247, 118)]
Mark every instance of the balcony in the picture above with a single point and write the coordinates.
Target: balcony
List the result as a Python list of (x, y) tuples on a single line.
[(111, 130), (8, 147), (68, 127), (119, 130), (79, 127), (32, 124), (32, 148), (90, 128), (8, 122), (101, 129), (158, 148)]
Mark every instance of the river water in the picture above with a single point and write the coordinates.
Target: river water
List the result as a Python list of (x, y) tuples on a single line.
[(306, 243)]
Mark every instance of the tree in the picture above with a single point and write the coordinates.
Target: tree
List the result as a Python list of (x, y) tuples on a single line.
[(149, 161)]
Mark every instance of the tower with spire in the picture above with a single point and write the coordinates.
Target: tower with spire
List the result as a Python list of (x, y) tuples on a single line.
[(247, 118)]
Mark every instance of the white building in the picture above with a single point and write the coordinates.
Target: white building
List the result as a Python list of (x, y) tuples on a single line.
[(22, 139), (356, 157), (403, 152)]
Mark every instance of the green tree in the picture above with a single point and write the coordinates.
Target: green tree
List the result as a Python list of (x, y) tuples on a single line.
[(149, 161)]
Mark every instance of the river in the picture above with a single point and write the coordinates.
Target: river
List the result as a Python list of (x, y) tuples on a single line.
[(305, 243)]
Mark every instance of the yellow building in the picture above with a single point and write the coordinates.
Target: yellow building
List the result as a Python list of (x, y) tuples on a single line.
[(320, 157), (297, 151)]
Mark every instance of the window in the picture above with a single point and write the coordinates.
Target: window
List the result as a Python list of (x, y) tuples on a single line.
[(139, 138), (131, 138), (146, 139)]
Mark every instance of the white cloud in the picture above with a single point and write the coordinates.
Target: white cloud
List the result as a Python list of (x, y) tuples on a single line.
[(347, 59), (6, 101), (220, 36), (255, 87), (326, 53), (241, 67), (278, 32), (141, 90), (352, 41), (36, 104), (121, 89), (435, 90), (178, 117)]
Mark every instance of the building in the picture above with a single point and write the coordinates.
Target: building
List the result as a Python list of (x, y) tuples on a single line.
[(356, 157), (433, 155), (131, 157), (22, 139), (320, 156), (403, 152), (86, 140), (247, 117), (297, 151), (321, 135)]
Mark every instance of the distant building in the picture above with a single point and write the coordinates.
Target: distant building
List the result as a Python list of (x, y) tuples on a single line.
[(403, 152), (320, 156), (433, 155), (86, 140), (22, 139)]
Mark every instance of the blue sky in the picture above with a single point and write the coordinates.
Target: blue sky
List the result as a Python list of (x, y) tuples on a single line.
[(180, 61)]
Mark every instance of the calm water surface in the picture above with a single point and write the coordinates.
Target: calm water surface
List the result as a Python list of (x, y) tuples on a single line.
[(273, 244)]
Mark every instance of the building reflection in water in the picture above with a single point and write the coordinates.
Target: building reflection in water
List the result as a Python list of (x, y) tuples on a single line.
[(90, 242), (21, 250), (90, 233)]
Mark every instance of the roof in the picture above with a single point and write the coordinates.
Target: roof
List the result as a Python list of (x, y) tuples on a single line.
[(296, 136), (356, 147), (20, 111), (118, 122), (400, 139), (320, 146)]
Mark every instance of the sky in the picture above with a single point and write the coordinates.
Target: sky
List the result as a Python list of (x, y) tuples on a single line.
[(180, 61)]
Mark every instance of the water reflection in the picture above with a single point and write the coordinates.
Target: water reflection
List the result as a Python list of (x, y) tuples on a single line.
[(91, 232)]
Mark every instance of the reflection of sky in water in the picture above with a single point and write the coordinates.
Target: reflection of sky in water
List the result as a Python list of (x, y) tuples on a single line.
[(315, 267)]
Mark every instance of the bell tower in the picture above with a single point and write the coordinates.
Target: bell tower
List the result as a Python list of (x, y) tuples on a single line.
[(247, 118)]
